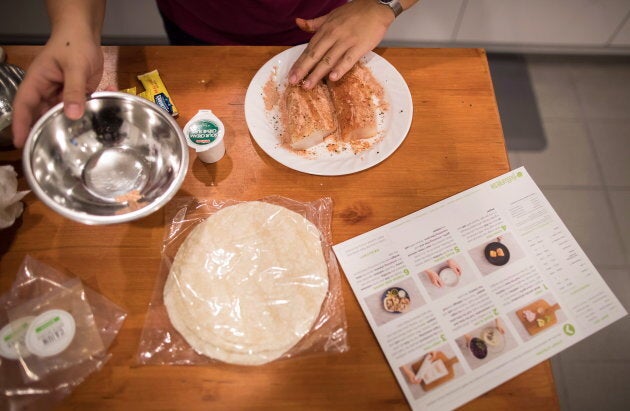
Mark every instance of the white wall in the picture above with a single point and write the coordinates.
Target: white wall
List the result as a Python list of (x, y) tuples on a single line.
[(128, 19), (582, 26), (428, 21), (562, 23), (622, 37), (589, 26)]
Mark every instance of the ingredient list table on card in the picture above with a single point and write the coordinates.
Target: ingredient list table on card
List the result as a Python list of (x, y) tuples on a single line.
[(455, 142)]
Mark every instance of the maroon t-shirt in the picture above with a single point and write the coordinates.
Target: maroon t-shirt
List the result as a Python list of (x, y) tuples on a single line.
[(248, 22)]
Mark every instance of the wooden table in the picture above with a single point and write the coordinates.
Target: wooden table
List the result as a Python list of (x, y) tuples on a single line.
[(455, 142)]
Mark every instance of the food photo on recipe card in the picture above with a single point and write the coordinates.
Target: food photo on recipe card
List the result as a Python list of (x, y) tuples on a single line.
[(471, 291)]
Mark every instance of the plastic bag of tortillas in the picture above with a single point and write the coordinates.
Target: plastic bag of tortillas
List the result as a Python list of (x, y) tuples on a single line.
[(245, 282)]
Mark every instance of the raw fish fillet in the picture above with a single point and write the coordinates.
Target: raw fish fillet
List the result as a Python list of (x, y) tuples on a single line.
[(310, 116), (352, 100)]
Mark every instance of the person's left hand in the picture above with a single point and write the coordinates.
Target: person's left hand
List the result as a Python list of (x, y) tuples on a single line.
[(341, 38), (467, 339)]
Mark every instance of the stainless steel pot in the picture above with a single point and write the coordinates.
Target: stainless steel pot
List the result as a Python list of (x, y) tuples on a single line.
[(10, 78)]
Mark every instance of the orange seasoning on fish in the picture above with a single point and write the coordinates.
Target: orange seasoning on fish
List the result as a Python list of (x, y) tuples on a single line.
[(341, 114), (309, 116), (352, 97), (271, 95)]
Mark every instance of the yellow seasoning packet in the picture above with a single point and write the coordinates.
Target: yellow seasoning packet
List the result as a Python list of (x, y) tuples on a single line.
[(156, 91), (131, 90)]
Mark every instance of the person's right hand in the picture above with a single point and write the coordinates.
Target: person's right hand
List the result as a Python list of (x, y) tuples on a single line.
[(69, 67), (499, 325), (452, 264)]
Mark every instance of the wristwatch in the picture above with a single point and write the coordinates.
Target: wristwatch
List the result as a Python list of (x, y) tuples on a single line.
[(394, 5)]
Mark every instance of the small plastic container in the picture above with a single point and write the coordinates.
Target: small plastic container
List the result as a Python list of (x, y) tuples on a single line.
[(50, 333), (12, 344), (204, 132)]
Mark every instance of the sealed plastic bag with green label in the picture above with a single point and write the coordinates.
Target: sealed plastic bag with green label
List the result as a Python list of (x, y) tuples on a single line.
[(54, 332)]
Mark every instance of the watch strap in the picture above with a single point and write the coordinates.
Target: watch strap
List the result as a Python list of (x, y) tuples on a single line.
[(394, 5)]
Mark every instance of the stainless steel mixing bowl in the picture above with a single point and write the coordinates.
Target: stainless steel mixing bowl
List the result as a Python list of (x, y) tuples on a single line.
[(124, 159)]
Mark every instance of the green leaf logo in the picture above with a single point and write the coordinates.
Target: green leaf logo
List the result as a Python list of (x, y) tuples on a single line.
[(504, 227), (519, 174), (568, 329)]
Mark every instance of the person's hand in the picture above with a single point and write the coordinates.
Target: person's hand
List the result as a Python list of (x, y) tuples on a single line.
[(341, 38), (452, 264), (467, 340), (411, 377), (435, 278), (499, 325), (69, 66)]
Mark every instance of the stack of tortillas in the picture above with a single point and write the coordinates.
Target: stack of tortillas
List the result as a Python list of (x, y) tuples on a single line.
[(247, 283)]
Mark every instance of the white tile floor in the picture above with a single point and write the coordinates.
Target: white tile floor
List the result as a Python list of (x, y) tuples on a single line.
[(584, 104)]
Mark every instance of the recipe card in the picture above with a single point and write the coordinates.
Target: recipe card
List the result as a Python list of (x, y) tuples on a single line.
[(467, 293)]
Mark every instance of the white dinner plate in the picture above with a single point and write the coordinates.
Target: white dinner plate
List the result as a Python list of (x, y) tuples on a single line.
[(393, 126)]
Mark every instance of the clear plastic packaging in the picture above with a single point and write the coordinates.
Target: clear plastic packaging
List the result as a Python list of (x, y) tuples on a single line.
[(226, 334), (56, 332), (11, 206), (61, 332)]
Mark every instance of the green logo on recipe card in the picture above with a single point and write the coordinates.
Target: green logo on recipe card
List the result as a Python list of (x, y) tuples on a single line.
[(506, 180), (568, 329)]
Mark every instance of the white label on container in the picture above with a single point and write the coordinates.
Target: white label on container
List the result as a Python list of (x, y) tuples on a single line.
[(50, 333), (12, 345)]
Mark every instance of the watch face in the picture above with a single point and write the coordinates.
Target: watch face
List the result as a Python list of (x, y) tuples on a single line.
[(386, 1)]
